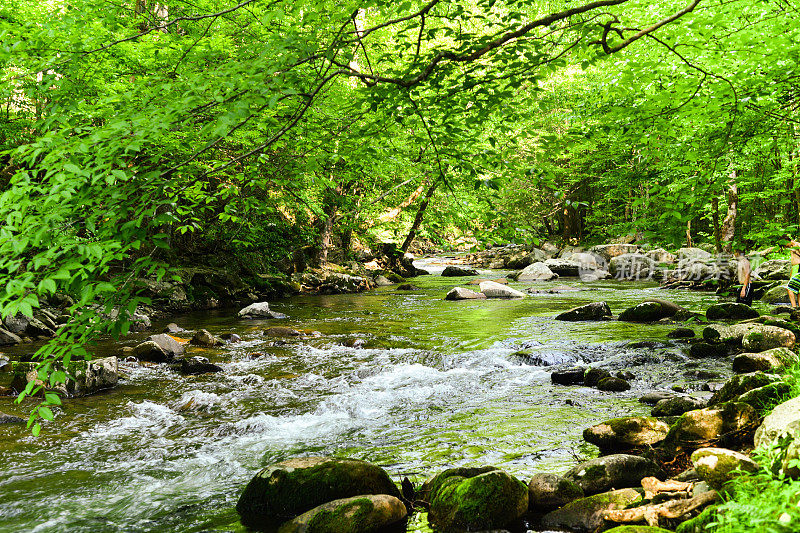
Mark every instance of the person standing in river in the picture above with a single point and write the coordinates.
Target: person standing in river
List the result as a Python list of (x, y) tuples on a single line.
[(793, 287), (743, 271)]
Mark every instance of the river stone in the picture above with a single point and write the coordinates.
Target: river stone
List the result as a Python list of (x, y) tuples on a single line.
[(150, 351), (766, 338), (550, 491), (730, 311), (716, 466), (563, 267), (281, 331), (536, 272), (460, 293), (586, 514), (625, 433), (169, 345), (173, 328), (496, 290), (609, 251), (775, 359), (287, 489), (259, 310), (568, 376), (729, 334), (16, 324), (632, 266), (585, 261), (205, 339), (728, 424), (198, 365), (776, 295), (594, 275), (650, 311), (692, 254), (8, 339), (10, 419), (774, 269), (677, 406), (762, 397), (741, 383), (592, 311), (473, 499), (611, 471), (593, 376), (613, 384), (638, 529), (360, 514), (453, 271), (681, 333)]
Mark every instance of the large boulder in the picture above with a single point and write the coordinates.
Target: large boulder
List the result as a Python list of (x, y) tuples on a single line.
[(774, 269), (460, 293), (287, 489), (767, 395), (611, 471), (767, 361), (783, 421), (536, 272), (716, 466), (609, 251), (776, 295), (171, 347), (592, 311), (367, 513), (493, 289), (766, 338), (730, 311), (473, 499), (728, 424), (563, 267), (741, 383), (632, 266), (84, 377), (586, 514), (585, 261), (660, 255), (733, 333), (550, 491), (454, 271), (650, 310), (259, 310), (692, 254), (626, 433)]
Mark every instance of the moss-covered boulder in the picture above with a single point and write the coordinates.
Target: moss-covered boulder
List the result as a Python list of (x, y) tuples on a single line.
[(611, 471), (770, 360), (591, 311), (550, 491), (586, 514), (613, 384), (359, 514), (698, 524), (593, 376), (717, 466), (287, 489), (676, 406), (741, 383), (470, 499), (650, 311), (766, 338), (626, 433), (731, 333), (728, 424), (638, 529), (766, 396), (681, 333), (730, 311)]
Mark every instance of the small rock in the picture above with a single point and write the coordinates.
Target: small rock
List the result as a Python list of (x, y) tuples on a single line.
[(730, 311), (652, 398), (681, 333), (594, 375), (198, 365), (205, 339), (676, 406), (612, 471), (592, 311), (360, 514), (452, 271), (613, 385), (231, 338), (619, 434), (536, 272), (625, 374), (150, 351), (407, 287), (280, 331), (716, 466), (459, 293), (549, 491), (569, 376), (10, 419), (173, 328), (496, 290), (259, 310)]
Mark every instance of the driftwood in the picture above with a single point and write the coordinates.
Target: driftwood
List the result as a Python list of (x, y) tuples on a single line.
[(653, 486), (652, 513)]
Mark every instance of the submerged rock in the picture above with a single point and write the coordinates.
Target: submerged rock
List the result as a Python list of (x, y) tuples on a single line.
[(459, 293), (281, 331), (287, 489), (611, 471), (716, 466), (626, 433), (452, 271), (592, 311), (497, 290), (259, 310), (359, 514), (473, 499), (198, 365), (730, 311), (585, 515), (549, 491)]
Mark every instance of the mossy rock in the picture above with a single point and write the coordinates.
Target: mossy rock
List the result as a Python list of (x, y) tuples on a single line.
[(766, 338), (649, 311), (638, 529), (611, 471), (550, 491), (613, 384), (727, 424), (464, 499), (287, 489), (698, 523), (593, 376), (626, 432), (360, 514), (717, 466), (768, 360), (585, 515), (739, 384), (766, 396), (730, 311)]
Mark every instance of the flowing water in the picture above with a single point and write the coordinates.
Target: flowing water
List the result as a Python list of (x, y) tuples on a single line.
[(434, 386)]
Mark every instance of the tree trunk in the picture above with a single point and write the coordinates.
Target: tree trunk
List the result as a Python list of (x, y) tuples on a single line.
[(689, 233), (715, 219), (418, 219), (325, 241), (728, 225)]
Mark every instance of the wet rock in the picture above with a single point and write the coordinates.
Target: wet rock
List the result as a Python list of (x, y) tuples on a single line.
[(473, 499), (770, 360), (729, 425), (611, 471), (407, 287), (677, 406), (681, 333), (259, 310), (150, 351), (173, 328), (549, 491), (732, 334), (359, 514), (774, 269), (8, 339), (198, 365), (10, 419), (650, 311), (569, 376), (626, 433), (460, 293), (593, 376), (452, 271), (170, 346), (85, 377), (739, 384), (281, 331), (536, 272), (652, 398), (704, 350), (230, 338), (592, 311), (496, 290), (205, 339), (627, 375), (354, 342), (730, 311), (717, 466), (766, 338), (564, 267), (585, 515), (542, 358), (140, 322), (288, 489), (613, 384)]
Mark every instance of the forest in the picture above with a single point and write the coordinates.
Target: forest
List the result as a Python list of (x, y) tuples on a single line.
[(237, 151)]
